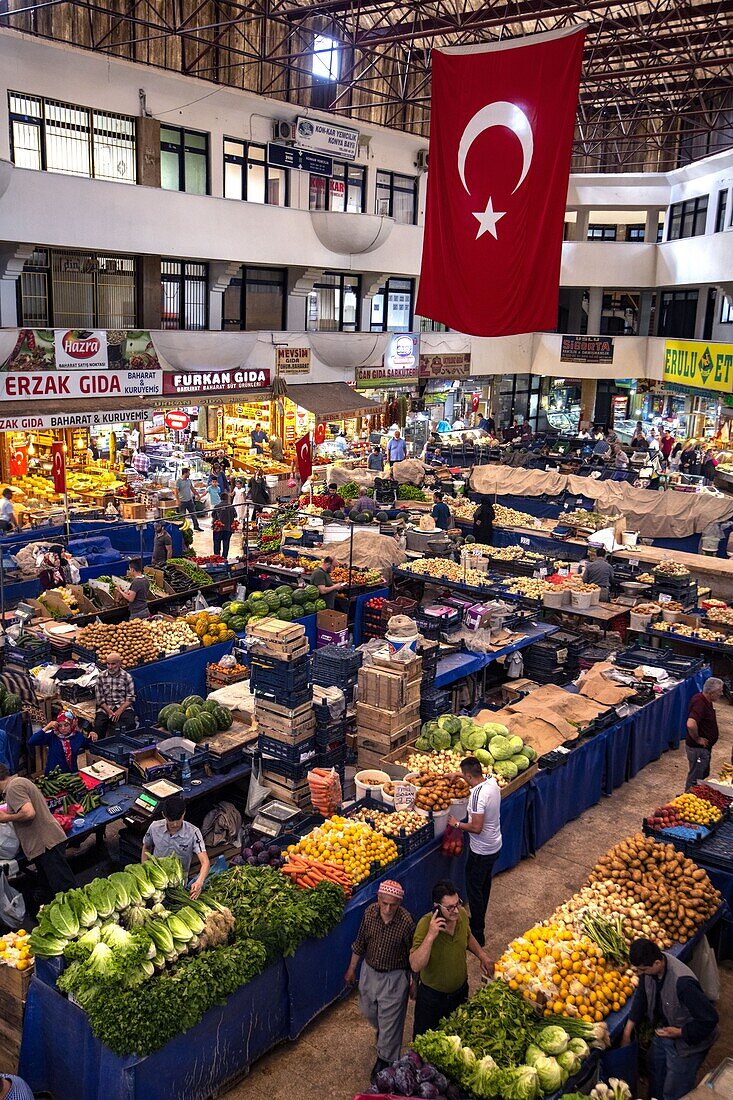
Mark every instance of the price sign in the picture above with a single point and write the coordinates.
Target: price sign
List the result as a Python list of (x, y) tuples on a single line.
[(564, 572), (664, 597), (523, 540), (404, 796), (542, 571), (177, 421), (58, 466)]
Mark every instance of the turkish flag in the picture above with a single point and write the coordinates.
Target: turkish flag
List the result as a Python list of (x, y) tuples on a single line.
[(19, 461), (501, 132), (58, 467), (305, 458), (320, 433)]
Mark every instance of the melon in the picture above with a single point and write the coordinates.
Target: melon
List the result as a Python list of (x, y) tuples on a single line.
[(223, 718), (176, 721), (207, 721), (193, 730), (192, 700)]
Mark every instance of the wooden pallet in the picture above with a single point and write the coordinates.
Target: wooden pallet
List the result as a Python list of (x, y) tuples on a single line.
[(384, 721), (287, 737), (285, 641), (281, 787)]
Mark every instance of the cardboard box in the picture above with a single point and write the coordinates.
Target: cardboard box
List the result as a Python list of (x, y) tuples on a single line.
[(387, 689), (332, 628), (130, 509)]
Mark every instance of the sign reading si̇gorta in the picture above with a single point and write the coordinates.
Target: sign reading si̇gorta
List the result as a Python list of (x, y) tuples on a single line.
[(696, 363), (586, 349), (339, 141), (201, 383)]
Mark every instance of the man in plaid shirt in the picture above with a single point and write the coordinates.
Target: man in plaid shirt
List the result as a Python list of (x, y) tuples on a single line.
[(141, 462), (115, 694)]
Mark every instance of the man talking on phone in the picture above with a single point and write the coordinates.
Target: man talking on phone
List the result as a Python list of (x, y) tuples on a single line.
[(685, 1022)]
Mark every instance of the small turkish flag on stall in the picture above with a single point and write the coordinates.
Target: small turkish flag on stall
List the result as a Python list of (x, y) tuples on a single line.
[(501, 132), (19, 461), (58, 467), (320, 433), (305, 458), (475, 402)]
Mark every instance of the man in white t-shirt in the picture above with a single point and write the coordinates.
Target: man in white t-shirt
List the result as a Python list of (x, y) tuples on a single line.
[(484, 841)]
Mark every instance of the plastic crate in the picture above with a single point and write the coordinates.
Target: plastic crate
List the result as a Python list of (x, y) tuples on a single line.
[(289, 675), (717, 850), (333, 757), (293, 754), (406, 844), (151, 698), (119, 748), (328, 735), (295, 772), (663, 657)]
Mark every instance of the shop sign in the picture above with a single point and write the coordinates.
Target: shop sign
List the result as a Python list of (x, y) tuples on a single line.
[(695, 363), (339, 141), (68, 420), (81, 349), (285, 156), (586, 349), (293, 360), (399, 365), (176, 421), (62, 385), (201, 383), (445, 366)]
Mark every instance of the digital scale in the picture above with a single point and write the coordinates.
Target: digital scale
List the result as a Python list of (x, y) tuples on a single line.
[(273, 818), (147, 802)]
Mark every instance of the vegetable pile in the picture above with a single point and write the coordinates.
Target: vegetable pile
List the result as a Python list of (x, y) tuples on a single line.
[(356, 848), (195, 719), (499, 753), (410, 1076), (70, 788), (192, 571)]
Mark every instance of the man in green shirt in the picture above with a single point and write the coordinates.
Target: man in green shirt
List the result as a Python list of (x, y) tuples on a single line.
[(321, 578), (438, 954)]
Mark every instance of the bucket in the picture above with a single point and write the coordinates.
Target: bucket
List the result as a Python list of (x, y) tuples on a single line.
[(373, 789), (396, 644), (671, 616), (581, 600), (639, 622), (556, 599), (595, 597), (439, 818), (630, 538)]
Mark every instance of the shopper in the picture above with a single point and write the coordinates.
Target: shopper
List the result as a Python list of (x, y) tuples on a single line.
[(39, 834), (14, 1088), (185, 497), (602, 449), (436, 458), (321, 577), (396, 448), (383, 945), (684, 1020), (638, 439), (666, 444), (375, 461), (484, 841), (54, 571), (174, 836), (340, 444), (115, 695), (222, 520), (276, 449), (483, 522), (526, 433), (213, 492), (141, 462), (702, 730), (258, 437), (64, 741), (162, 545), (239, 500), (600, 572), (259, 494), (138, 593), (365, 503), (8, 522), (709, 465), (441, 513), (620, 458), (438, 955), (334, 500), (653, 442)]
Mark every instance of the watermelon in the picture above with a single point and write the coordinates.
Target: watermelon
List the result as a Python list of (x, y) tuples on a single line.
[(282, 590), (239, 624), (176, 721), (194, 710), (163, 714), (285, 614), (236, 607), (193, 730), (287, 599), (207, 721), (353, 515), (223, 718), (309, 608), (311, 592), (210, 706), (326, 514), (320, 605), (338, 514), (273, 604), (382, 517), (191, 701), (298, 595)]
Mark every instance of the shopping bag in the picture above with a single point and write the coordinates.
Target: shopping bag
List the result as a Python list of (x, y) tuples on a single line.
[(452, 843), (12, 906), (258, 792), (8, 842)]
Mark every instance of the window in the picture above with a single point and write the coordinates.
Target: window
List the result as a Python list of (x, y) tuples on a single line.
[(726, 311), (184, 294), (426, 324), (635, 232), (184, 160), (720, 212), (619, 313), (687, 219), (519, 397), (248, 176), (344, 190), (61, 289), (397, 197), (334, 304), (325, 63), (398, 314), (255, 300), (601, 232), (677, 314), (76, 141)]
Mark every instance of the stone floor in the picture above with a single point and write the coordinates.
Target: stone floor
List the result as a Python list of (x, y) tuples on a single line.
[(333, 1057)]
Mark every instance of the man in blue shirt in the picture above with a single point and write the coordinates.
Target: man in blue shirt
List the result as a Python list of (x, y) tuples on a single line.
[(396, 449), (258, 437), (441, 513)]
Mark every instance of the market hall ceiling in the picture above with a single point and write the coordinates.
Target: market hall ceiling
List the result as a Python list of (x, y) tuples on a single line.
[(657, 87)]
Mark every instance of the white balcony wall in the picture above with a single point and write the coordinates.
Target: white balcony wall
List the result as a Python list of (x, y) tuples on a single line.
[(608, 264)]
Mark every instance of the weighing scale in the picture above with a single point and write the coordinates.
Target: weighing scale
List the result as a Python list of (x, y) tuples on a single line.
[(147, 802), (277, 817)]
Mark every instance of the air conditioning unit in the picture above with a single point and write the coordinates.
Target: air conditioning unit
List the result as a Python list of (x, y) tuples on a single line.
[(383, 207), (422, 160), (283, 131)]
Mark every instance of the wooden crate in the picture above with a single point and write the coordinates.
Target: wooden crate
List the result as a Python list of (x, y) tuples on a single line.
[(386, 721), (285, 737), (131, 510), (373, 741), (13, 993), (10, 1038), (219, 677), (286, 641), (388, 690), (277, 717), (299, 796)]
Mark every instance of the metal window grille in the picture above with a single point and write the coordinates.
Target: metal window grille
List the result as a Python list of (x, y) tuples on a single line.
[(184, 295), (66, 289), (61, 137)]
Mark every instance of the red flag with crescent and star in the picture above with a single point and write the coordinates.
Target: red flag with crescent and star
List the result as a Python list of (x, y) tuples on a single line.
[(304, 456), (501, 132), (19, 461)]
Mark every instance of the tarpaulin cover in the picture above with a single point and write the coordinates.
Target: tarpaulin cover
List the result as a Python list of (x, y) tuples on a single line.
[(330, 399), (60, 1055), (11, 740), (653, 514)]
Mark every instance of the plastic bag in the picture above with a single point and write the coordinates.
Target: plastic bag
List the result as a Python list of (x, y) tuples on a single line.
[(8, 842), (705, 968), (452, 843), (325, 788), (12, 906), (258, 792)]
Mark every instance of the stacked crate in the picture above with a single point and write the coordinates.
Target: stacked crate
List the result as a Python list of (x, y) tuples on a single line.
[(286, 724), (388, 710), (329, 708), (337, 666)]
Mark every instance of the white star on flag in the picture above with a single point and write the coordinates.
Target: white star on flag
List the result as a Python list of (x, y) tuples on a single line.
[(488, 219)]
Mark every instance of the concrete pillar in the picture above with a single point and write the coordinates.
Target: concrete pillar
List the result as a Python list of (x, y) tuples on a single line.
[(216, 309), (148, 152), (652, 226), (9, 303), (645, 312), (595, 308), (150, 292), (579, 231), (588, 388), (702, 305), (296, 312)]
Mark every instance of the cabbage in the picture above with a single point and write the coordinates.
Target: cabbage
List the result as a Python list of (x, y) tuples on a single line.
[(483, 1077), (518, 1083), (495, 729), (476, 740), (452, 725), (530, 753), (423, 745), (569, 1062), (516, 744), (549, 1073), (506, 769), (499, 747), (520, 762), (579, 1047), (440, 739), (532, 1054), (427, 728), (484, 757), (553, 1039), (428, 1091)]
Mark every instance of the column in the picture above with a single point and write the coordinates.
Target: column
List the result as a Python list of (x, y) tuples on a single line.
[(588, 388), (652, 226), (595, 308), (147, 143), (579, 231), (150, 298), (645, 312), (575, 311)]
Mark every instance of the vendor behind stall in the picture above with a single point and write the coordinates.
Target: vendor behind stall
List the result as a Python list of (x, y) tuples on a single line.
[(173, 836), (139, 592), (334, 500), (321, 577), (64, 741), (54, 569), (600, 572), (115, 695), (365, 503), (258, 437), (441, 513)]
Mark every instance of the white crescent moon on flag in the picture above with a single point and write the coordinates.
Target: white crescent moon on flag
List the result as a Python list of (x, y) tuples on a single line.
[(499, 113)]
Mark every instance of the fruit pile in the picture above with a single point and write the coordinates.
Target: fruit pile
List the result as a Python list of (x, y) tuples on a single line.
[(671, 569), (438, 792), (564, 974), (262, 855), (709, 794), (442, 569), (210, 629), (698, 811), (399, 823), (353, 846), (15, 950), (195, 719), (681, 630)]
